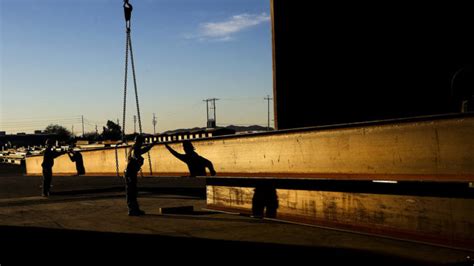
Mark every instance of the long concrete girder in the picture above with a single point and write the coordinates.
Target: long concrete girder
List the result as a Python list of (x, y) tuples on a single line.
[(307, 170), (428, 149)]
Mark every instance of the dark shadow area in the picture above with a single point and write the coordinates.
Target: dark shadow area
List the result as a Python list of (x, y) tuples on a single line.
[(14, 184), (87, 191), (7, 169), (369, 62), (102, 193), (196, 164), (175, 197), (204, 212), (75, 244), (114, 192), (77, 198), (198, 216), (192, 192), (179, 191)]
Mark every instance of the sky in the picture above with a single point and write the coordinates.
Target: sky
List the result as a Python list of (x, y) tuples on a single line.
[(64, 59)]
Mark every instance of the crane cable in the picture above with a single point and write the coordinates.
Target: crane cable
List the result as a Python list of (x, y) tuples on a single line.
[(127, 7)]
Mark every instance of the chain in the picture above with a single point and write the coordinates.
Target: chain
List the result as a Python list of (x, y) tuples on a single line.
[(128, 46), (125, 85), (135, 84), (124, 104), (116, 161)]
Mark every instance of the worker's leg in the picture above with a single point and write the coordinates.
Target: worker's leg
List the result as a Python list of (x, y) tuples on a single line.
[(47, 177), (271, 202), (258, 202), (132, 193)]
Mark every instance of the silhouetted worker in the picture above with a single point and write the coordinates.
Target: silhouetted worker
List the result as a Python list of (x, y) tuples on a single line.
[(135, 162), (196, 164), (265, 200), (76, 157), (48, 162), (127, 10)]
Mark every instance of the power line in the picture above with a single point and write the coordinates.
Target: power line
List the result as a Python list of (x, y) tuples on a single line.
[(39, 122), (241, 99), (43, 118), (95, 121), (26, 124)]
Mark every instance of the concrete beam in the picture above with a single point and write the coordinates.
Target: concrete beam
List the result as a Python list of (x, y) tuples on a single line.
[(429, 149)]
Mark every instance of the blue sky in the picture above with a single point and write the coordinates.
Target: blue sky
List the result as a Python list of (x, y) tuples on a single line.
[(61, 59)]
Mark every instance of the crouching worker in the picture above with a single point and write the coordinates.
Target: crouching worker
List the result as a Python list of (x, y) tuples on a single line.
[(48, 161), (76, 157), (135, 162)]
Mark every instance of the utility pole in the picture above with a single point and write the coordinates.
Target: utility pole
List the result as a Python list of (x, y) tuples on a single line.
[(134, 124), (82, 117), (211, 112), (154, 124), (96, 131), (268, 104), (207, 111), (72, 130)]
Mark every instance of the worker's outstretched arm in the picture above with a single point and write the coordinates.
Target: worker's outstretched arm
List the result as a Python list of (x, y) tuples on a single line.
[(175, 153), (58, 153)]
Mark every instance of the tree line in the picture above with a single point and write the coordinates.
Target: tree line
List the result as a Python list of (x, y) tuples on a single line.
[(111, 131)]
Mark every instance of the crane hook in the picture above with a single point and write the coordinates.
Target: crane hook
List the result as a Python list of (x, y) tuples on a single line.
[(127, 9)]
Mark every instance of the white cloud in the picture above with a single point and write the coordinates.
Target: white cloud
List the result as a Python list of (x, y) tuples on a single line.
[(224, 30)]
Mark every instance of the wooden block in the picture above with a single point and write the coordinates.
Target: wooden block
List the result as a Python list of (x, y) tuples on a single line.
[(176, 210)]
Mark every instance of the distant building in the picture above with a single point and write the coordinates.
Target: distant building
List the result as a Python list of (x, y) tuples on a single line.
[(23, 140)]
